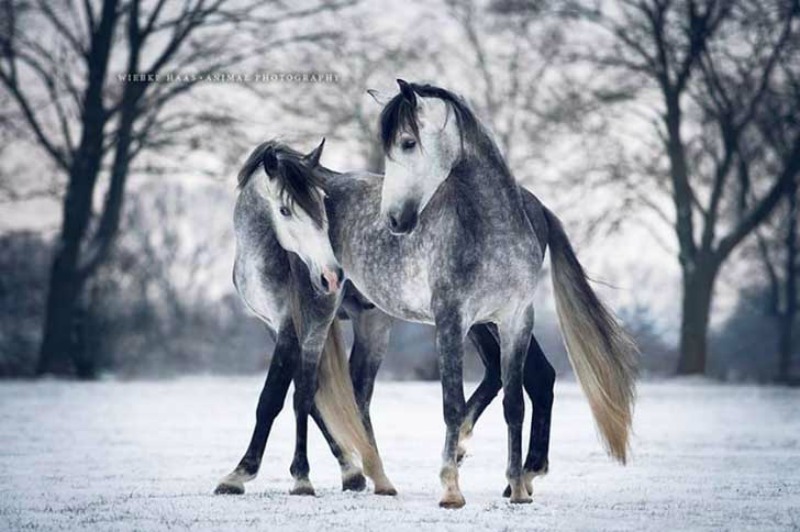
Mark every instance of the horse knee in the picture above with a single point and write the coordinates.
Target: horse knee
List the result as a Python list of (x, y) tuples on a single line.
[(453, 414)]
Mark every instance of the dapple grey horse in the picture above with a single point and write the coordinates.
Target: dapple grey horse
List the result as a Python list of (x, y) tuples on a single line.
[(467, 254)]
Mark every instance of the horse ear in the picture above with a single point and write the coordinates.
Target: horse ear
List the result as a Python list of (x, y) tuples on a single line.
[(379, 97), (407, 91), (270, 160), (313, 158)]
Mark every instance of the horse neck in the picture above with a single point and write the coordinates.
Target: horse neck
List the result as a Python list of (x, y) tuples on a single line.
[(486, 176)]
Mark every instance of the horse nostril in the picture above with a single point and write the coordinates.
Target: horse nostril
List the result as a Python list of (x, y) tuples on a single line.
[(339, 275), (393, 223), (324, 282)]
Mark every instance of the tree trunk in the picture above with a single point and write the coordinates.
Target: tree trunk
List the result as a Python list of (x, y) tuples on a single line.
[(62, 294), (789, 311), (698, 288), (57, 353)]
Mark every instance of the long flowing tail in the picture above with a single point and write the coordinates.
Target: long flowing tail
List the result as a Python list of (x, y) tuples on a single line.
[(335, 400), (602, 354)]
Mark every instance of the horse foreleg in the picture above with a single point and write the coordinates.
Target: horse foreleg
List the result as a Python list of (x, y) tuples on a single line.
[(450, 347), (305, 383), (270, 403)]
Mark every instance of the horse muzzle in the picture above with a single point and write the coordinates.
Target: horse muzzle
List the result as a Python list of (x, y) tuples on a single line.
[(331, 279), (403, 220)]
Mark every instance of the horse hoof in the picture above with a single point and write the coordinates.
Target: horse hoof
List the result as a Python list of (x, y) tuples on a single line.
[(453, 503), (507, 492), (355, 482), (303, 488), (521, 499), (388, 491), (229, 488)]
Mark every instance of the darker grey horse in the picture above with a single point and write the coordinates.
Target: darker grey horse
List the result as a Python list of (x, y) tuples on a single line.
[(465, 252)]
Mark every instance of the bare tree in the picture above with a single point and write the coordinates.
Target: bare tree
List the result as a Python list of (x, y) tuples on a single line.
[(55, 65), (710, 64), (511, 51), (366, 59)]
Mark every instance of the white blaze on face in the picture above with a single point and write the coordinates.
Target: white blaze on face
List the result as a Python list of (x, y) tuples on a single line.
[(415, 170), (298, 232)]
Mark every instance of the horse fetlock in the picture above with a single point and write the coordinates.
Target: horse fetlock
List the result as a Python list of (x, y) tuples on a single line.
[(538, 471), (461, 452), (464, 434), (353, 478), (529, 475)]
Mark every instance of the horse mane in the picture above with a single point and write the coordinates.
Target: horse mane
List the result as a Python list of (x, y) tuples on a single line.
[(401, 115), (298, 182)]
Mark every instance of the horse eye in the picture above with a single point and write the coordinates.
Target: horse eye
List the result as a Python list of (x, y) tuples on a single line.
[(408, 144), (285, 211)]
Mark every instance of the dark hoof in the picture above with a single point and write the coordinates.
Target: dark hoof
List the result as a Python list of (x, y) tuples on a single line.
[(507, 492), (388, 492), (229, 489), (306, 491), (355, 482)]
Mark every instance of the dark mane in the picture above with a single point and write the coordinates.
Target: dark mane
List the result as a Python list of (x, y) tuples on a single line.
[(400, 114), (298, 182)]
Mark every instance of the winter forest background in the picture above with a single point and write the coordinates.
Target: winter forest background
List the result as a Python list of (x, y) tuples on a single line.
[(666, 134)]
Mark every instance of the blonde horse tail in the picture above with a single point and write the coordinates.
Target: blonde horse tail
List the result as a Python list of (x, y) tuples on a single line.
[(603, 356)]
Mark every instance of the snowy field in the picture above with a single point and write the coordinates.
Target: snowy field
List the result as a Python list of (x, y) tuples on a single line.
[(147, 455)]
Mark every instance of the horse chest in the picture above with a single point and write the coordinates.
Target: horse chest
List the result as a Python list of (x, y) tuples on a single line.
[(264, 295), (401, 289)]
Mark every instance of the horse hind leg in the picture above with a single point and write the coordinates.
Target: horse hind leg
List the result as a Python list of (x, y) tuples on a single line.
[(539, 381), (515, 339), (483, 336)]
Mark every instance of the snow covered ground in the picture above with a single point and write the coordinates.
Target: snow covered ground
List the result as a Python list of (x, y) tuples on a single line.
[(147, 455)]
